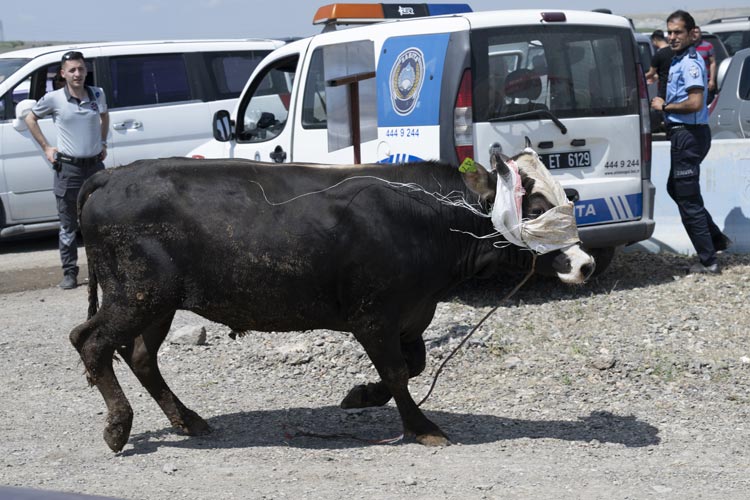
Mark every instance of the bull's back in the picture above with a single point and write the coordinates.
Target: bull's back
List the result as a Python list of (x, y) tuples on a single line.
[(206, 235)]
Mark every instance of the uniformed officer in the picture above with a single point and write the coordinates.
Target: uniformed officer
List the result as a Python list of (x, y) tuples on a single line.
[(686, 118), (80, 115)]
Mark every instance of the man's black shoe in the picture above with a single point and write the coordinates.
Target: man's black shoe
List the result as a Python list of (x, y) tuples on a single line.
[(699, 268), (722, 243), (69, 282)]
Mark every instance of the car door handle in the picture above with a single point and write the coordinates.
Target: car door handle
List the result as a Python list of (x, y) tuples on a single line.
[(127, 125)]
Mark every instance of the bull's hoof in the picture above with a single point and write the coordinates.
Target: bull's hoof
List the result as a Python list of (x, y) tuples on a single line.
[(116, 434), (366, 396), (193, 424), (433, 439)]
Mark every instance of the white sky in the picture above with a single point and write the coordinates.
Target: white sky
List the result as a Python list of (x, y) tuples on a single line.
[(86, 20)]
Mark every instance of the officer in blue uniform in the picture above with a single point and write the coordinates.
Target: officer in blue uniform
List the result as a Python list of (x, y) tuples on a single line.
[(686, 118)]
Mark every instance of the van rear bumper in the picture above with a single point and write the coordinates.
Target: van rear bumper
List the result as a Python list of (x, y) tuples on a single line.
[(623, 233), (614, 235)]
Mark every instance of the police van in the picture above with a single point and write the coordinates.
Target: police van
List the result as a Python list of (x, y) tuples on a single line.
[(462, 84)]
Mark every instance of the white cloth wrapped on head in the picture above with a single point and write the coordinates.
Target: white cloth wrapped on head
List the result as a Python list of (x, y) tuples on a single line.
[(553, 230)]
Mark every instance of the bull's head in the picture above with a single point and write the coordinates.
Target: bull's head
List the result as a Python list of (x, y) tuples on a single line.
[(530, 209)]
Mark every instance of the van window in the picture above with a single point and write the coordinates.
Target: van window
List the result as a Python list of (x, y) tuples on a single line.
[(150, 79), (263, 115), (569, 71), (733, 40), (229, 71), (10, 66), (314, 114), (744, 90)]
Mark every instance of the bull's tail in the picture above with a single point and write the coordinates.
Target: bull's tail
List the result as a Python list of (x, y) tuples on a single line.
[(93, 293), (92, 184)]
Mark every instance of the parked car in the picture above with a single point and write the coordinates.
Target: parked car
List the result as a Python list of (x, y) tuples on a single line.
[(730, 118), (733, 31), (161, 96), (720, 51)]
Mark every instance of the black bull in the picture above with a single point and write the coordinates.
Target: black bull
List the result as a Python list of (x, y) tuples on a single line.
[(271, 248)]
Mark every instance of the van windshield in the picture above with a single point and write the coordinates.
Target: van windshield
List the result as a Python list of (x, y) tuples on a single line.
[(568, 71), (10, 66)]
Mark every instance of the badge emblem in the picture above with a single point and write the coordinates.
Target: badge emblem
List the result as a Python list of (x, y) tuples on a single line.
[(407, 77), (695, 71)]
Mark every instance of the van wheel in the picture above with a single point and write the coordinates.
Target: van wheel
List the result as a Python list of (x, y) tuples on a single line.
[(603, 258)]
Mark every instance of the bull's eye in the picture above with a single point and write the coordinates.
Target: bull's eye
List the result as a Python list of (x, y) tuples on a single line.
[(535, 213)]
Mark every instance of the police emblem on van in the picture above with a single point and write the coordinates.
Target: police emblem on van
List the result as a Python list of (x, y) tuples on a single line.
[(407, 77)]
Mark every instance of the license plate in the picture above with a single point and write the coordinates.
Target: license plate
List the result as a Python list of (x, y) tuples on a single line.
[(570, 159)]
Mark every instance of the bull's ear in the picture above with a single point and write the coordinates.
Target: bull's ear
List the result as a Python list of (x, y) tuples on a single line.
[(528, 141), (498, 162), (477, 179)]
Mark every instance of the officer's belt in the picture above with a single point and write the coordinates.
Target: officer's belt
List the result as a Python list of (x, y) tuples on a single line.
[(687, 126), (78, 162)]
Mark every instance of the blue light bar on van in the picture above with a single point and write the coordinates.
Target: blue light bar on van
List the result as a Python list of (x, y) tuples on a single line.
[(363, 13)]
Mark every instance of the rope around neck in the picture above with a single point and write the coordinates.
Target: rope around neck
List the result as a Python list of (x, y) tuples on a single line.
[(468, 336)]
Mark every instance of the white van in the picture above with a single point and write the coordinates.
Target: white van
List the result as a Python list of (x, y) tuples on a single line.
[(458, 86), (161, 96)]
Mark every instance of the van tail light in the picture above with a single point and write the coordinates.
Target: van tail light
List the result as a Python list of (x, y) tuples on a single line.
[(645, 123), (463, 134), (198, 157)]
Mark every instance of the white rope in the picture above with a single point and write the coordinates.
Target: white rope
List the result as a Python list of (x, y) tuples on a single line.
[(553, 221)]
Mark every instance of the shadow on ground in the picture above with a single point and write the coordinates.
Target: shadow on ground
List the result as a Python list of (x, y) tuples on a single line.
[(332, 428), (629, 270)]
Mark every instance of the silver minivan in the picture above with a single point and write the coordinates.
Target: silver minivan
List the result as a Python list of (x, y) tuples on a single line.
[(161, 96), (730, 116)]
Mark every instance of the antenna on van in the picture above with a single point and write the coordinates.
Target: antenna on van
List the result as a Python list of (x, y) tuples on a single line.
[(338, 14)]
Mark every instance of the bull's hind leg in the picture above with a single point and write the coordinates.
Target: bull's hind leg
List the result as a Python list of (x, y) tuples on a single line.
[(141, 356), (384, 350), (377, 393), (93, 344)]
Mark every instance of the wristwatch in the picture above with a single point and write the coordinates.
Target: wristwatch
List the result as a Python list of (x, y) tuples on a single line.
[(664, 107)]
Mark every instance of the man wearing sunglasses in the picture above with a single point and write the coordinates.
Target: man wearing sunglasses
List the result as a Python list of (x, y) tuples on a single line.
[(80, 115)]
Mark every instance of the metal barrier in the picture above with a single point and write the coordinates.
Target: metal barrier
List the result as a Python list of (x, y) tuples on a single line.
[(725, 186)]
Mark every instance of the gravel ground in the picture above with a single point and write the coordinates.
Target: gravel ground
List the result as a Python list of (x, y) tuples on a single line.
[(632, 386)]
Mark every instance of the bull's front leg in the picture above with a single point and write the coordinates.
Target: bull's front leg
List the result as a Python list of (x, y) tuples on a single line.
[(141, 356), (384, 350), (377, 393), (96, 354)]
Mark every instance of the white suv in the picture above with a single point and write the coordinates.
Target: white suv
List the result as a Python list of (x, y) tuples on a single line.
[(161, 96), (733, 31)]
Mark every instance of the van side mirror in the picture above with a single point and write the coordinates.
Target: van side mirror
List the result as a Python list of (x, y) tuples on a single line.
[(23, 108), (223, 126)]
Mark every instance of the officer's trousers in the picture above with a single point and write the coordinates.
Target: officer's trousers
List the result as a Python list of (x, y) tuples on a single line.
[(68, 181), (689, 146), (67, 211)]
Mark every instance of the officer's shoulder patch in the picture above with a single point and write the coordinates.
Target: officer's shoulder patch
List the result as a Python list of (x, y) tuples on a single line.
[(694, 70)]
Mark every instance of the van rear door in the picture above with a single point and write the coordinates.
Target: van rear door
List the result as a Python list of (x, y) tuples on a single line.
[(573, 90)]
